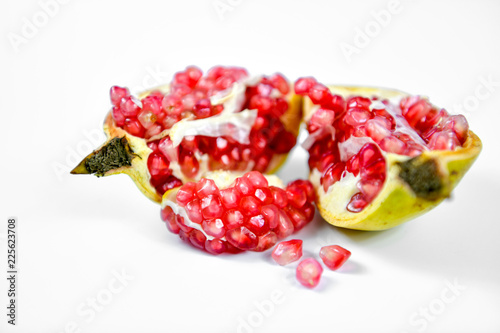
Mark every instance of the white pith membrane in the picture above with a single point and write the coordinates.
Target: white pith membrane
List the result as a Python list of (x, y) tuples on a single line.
[(223, 180)]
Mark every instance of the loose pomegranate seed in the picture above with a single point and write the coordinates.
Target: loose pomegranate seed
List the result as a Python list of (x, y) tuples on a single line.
[(287, 252), (334, 256), (117, 94), (309, 272)]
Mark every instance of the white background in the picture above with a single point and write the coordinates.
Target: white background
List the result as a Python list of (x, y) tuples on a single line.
[(77, 232)]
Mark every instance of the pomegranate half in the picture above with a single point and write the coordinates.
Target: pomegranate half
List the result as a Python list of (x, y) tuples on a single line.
[(174, 134), (380, 157)]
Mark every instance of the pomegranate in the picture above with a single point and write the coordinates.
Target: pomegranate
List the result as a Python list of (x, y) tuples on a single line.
[(219, 121), (287, 252), (224, 212), (380, 157)]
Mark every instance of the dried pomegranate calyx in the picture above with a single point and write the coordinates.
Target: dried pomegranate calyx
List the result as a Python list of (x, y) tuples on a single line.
[(115, 154), (424, 177)]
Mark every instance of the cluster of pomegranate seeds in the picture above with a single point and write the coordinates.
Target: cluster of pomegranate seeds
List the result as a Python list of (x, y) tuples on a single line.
[(334, 256), (287, 252), (353, 135), (248, 215), (309, 272), (189, 97)]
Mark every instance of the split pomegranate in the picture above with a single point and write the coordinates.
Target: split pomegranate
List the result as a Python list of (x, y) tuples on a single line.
[(334, 256), (219, 121), (287, 252), (224, 213), (309, 272), (367, 145)]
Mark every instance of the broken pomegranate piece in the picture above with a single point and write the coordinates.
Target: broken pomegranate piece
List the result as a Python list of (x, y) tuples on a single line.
[(379, 157), (334, 256), (287, 252), (241, 212), (309, 272), (223, 120)]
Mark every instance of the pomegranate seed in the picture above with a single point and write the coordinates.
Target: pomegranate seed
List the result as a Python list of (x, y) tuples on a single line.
[(215, 246), (357, 203), (377, 130), (256, 179), (445, 140), (321, 118), (152, 104), (146, 118), (197, 239), (280, 83), (264, 195), (266, 242), (356, 117), (189, 165), (117, 94), (303, 85), (233, 218), (296, 195), (242, 238), (257, 224), (186, 193), (179, 220), (158, 166), (170, 220), (287, 252), (280, 196), (309, 272), (230, 197), (211, 207), (206, 187), (134, 127), (334, 256), (172, 104), (168, 150), (214, 227), (320, 94), (244, 186), (250, 206), (130, 106), (193, 210), (260, 103), (118, 116), (285, 226), (297, 217), (203, 108), (459, 125), (270, 213), (392, 144)]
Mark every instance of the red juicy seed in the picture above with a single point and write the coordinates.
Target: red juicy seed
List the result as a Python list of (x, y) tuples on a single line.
[(257, 224), (214, 227), (308, 211), (118, 116), (306, 186), (233, 218), (172, 105), (369, 154), (332, 175), (285, 226), (197, 239), (417, 111), (392, 144), (189, 165), (170, 220), (320, 94), (250, 206), (224, 82), (352, 165), (296, 195), (321, 118), (280, 83), (180, 78), (357, 117), (297, 217), (230, 197), (146, 118), (215, 246), (280, 107), (287, 252), (264, 195), (117, 94), (260, 103), (193, 210), (211, 207), (266, 241), (283, 143), (370, 188), (242, 238), (337, 104), (377, 130), (256, 179), (445, 140), (184, 236), (194, 75), (357, 203), (326, 161), (152, 131), (169, 184), (359, 103), (186, 193), (263, 89), (309, 272), (244, 186), (280, 196), (206, 187), (130, 106), (270, 213), (168, 150), (203, 108), (334, 256), (459, 125), (303, 85), (158, 165), (134, 127), (152, 104), (179, 220)]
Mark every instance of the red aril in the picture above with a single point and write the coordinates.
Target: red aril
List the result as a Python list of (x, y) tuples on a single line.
[(309, 272), (334, 256), (287, 252)]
